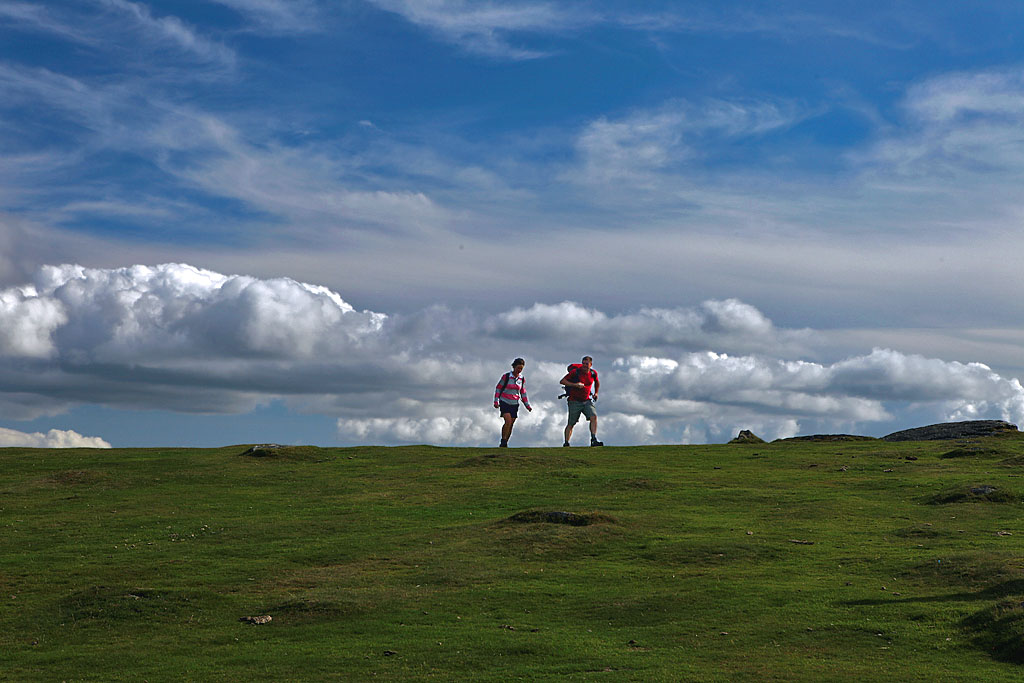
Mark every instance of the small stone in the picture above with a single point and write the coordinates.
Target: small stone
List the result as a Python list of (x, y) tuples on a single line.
[(258, 621)]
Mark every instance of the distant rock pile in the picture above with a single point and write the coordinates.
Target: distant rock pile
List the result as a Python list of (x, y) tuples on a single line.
[(747, 436), (264, 450), (953, 430)]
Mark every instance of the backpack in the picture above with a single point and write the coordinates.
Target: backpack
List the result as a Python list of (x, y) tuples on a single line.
[(574, 367)]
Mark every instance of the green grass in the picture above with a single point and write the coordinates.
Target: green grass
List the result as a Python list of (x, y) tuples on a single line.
[(770, 562)]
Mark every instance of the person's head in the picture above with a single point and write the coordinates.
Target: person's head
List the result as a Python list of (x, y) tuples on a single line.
[(587, 362), (518, 364)]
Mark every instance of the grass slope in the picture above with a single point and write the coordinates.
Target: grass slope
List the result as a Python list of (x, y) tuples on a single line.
[(770, 562)]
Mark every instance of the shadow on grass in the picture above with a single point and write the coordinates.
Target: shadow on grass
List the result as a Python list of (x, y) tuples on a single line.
[(103, 603), (518, 458), (995, 592), (997, 629)]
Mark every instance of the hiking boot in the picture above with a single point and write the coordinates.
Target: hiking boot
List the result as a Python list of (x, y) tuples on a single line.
[(503, 444), (565, 445), (595, 442)]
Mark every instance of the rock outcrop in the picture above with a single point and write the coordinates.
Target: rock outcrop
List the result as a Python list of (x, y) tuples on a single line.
[(264, 450), (747, 436), (953, 430)]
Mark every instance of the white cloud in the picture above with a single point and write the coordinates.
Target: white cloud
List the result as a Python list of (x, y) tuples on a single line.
[(158, 313), (729, 325), (962, 132), (668, 138), (27, 323), (487, 27), (55, 438), (172, 32), (278, 16), (176, 337)]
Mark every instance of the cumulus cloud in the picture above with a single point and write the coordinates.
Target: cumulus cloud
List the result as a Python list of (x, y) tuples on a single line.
[(728, 325), (27, 322), (177, 337), (170, 311), (55, 438)]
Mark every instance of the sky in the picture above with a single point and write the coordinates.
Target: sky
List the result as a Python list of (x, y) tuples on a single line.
[(337, 222)]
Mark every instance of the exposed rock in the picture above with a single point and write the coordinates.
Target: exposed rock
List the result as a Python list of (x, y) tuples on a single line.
[(273, 451), (264, 450), (258, 621), (747, 436), (953, 430)]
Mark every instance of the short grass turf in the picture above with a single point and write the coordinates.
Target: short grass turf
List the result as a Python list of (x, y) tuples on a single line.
[(772, 562)]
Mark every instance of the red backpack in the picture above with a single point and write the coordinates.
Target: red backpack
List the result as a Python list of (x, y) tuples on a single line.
[(575, 368)]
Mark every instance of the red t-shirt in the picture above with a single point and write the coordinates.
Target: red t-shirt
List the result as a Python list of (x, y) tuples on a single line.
[(588, 379)]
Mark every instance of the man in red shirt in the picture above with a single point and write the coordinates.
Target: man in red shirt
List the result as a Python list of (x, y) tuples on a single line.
[(578, 382)]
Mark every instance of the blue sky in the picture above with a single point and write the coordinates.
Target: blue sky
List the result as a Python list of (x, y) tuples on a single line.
[(336, 222)]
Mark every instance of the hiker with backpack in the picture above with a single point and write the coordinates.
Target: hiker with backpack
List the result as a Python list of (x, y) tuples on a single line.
[(511, 388), (578, 382)]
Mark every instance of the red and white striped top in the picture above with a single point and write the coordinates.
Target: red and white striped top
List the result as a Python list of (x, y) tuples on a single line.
[(513, 391)]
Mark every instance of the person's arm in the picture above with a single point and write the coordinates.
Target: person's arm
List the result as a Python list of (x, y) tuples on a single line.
[(522, 395), (497, 391), (597, 385), (565, 381)]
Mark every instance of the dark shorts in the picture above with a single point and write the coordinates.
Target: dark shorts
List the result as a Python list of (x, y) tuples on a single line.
[(577, 408), (510, 408)]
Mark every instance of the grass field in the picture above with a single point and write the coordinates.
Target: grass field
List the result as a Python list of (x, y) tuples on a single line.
[(792, 561)]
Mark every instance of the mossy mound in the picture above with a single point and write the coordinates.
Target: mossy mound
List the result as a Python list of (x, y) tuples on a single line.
[(560, 517), (969, 452), (275, 451), (830, 437), (975, 493)]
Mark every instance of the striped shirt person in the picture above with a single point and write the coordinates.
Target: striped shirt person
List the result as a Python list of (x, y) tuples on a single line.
[(510, 390)]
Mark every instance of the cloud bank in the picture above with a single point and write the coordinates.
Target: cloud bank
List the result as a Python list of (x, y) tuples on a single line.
[(55, 438), (180, 338)]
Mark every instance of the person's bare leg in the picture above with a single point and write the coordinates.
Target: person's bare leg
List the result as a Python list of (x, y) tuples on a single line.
[(506, 429)]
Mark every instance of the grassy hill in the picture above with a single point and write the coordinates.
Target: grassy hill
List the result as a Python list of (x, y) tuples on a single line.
[(786, 561)]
